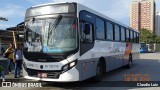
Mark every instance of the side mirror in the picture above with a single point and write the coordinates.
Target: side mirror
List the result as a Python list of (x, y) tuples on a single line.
[(87, 29), (17, 37)]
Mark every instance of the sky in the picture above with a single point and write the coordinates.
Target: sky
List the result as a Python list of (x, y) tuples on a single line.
[(14, 10)]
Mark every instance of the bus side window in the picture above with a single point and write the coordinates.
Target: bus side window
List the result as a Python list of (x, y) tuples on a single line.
[(135, 40), (137, 37), (123, 35), (131, 36), (109, 26), (127, 35), (116, 33), (86, 32)]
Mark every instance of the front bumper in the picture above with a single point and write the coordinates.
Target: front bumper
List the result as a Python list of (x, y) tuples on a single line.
[(69, 76)]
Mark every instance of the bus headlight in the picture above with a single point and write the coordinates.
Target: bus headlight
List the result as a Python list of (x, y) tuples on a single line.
[(69, 66), (66, 67), (72, 64)]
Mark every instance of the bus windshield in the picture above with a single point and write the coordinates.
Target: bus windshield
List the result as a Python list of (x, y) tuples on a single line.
[(51, 35), (143, 46)]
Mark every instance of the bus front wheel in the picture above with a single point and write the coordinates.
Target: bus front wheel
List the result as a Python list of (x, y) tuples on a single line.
[(99, 71)]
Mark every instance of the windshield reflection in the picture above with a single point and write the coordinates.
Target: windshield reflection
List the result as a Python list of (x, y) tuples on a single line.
[(34, 35), (44, 36)]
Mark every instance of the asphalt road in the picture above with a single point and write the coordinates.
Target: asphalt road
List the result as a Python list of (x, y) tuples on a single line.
[(147, 68)]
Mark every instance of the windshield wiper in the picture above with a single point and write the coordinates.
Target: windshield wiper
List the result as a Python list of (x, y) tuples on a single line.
[(53, 26)]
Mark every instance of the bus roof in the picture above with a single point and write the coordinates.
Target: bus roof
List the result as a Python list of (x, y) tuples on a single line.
[(93, 11), (51, 4)]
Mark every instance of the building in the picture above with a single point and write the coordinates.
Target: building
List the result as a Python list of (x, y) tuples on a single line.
[(134, 15), (6, 36), (157, 24), (142, 14)]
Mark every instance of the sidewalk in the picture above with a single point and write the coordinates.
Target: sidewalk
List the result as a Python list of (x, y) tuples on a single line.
[(4, 63), (11, 76), (7, 75)]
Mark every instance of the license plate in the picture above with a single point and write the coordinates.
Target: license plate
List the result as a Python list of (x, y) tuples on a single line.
[(42, 75)]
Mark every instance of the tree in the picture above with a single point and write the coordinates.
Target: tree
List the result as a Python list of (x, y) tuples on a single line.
[(158, 39), (147, 36)]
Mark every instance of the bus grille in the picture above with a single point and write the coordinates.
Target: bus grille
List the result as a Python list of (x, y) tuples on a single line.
[(42, 57), (51, 74)]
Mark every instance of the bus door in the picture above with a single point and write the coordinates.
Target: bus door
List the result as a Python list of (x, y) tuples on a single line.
[(87, 26), (86, 45)]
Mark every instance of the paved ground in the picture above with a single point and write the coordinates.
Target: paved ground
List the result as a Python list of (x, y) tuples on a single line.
[(147, 68)]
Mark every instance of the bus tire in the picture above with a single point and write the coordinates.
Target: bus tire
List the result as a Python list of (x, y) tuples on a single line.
[(129, 62), (99, 71)]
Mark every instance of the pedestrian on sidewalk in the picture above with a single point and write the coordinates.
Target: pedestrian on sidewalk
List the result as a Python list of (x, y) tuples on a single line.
[(2, 74), (18, 61), (2, 50), (9, 54)]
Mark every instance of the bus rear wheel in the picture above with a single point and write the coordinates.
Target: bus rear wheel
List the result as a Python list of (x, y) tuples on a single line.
[(129, 62), (99, 71)]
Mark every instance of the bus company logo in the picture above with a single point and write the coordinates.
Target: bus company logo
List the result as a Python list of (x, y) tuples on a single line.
[(6, 84), (30, 65), (41, 66), (36, 65)]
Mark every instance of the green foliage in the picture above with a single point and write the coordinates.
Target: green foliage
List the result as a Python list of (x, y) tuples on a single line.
[(147, 36), (158, 39)]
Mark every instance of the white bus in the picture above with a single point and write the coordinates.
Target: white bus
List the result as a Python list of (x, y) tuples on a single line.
[(67, 42)]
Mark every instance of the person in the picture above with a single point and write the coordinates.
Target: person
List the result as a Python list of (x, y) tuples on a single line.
[(2, 50), (18, 61), (10, 57), (2, 72)]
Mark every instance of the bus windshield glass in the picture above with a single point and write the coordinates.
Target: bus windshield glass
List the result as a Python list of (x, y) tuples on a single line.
[(51, 35)]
